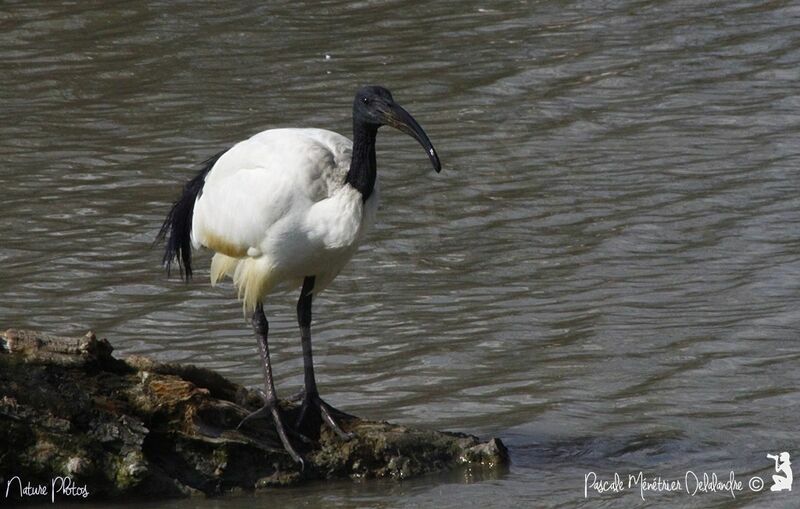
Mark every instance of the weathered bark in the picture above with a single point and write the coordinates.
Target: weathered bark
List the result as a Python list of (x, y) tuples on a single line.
[(136, 427)]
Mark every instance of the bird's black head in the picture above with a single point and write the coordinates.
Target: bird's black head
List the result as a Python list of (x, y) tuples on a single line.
[(374, 106)]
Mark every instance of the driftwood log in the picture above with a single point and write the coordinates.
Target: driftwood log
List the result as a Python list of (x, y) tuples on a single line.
[(72, 413)]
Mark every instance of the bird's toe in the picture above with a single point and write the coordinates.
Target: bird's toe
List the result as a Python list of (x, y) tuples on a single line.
[(314, 411), (271, 408)]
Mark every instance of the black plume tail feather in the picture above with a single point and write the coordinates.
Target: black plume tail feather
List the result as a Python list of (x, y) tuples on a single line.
[(177, 228)]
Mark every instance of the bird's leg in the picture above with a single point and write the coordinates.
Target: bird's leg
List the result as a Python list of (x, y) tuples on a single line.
[(261, 328), (311, 400)]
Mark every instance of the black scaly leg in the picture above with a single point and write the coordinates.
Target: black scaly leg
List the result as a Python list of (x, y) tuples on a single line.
[(261, 328), (311, 397)]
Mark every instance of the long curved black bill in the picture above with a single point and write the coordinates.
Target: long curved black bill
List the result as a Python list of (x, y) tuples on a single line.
[(400, 119)]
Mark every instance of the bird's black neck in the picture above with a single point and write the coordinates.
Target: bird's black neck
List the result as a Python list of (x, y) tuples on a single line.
[(363, 170)]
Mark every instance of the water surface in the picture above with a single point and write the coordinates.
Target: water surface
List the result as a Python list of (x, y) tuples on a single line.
[(606, 274)]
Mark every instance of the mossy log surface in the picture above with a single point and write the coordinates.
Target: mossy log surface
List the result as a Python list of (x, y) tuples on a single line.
[(134, 427)]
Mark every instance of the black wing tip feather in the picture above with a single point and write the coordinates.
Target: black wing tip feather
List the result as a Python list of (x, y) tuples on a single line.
[(173, 232), (176, 231)]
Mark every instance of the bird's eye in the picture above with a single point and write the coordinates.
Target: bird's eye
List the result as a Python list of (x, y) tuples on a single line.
[(365, 100)]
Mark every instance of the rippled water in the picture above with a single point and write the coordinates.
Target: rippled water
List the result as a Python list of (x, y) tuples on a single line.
[(606, 274)]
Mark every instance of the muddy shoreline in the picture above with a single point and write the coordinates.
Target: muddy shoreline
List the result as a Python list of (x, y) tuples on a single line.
[(134, 427)]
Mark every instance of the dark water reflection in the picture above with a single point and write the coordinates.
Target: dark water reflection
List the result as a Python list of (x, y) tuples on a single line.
[(606, 274)]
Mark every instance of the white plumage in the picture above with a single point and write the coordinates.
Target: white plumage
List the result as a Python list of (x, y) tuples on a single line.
[(275, 208), (288, 207)]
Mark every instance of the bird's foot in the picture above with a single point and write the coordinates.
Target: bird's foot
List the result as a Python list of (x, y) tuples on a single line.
[(314, 411), (270, 408)]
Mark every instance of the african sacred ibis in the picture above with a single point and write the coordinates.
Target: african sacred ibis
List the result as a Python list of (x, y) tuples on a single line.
[(287, 207)]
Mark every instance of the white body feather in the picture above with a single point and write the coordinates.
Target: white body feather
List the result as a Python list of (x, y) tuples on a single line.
[(275, 208)]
